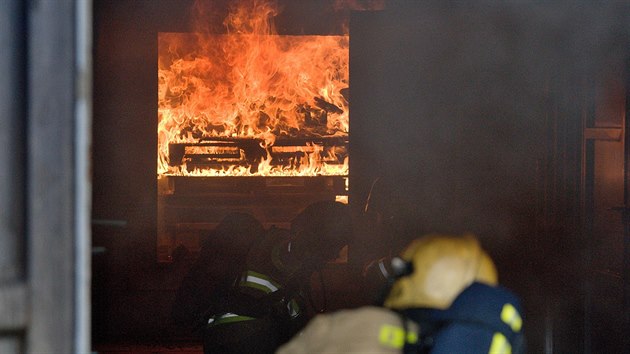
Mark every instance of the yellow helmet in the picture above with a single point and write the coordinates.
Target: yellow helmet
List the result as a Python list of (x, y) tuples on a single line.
[(441, 267)]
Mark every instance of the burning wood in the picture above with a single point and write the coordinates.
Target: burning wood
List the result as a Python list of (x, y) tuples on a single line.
[(327, 106), (250, 153), (252, 91)]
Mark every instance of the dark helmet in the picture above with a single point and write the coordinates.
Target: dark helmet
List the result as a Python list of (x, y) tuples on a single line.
[(322, 229)]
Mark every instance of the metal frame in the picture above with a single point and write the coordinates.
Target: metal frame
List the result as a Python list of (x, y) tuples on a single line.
[(45, 101)]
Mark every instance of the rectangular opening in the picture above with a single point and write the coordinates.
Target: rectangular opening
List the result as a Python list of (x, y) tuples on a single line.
[(249, 121)]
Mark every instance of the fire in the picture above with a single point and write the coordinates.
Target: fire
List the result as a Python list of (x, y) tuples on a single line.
[(253, 88)]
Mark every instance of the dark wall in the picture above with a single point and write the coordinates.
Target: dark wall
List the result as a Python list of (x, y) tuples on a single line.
[(125, 105), (128, 286)]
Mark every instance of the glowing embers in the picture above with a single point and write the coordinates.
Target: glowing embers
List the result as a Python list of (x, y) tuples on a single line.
[(248, 104)]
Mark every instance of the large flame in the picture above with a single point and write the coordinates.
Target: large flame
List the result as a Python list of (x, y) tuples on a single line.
[(253, 83)]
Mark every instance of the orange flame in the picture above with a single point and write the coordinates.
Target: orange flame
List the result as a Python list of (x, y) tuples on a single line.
[(253, 83)]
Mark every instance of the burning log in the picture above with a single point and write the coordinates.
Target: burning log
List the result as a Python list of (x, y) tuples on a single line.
[(315, 118), (231, 148), (176, 154), (327, 106)]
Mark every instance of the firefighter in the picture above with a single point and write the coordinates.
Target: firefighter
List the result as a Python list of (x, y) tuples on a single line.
[(445, 298), (268, 304), (221, 260)]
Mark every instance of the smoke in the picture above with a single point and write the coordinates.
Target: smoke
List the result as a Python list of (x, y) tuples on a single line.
[(453, 99), (473, 112)]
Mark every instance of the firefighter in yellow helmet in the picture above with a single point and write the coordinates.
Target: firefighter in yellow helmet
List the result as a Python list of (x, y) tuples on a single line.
[(444, 298), (436, 269)]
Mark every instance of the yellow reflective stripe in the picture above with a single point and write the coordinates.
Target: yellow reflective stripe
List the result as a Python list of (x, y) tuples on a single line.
[(394, 336), (500, 345), (259, 281), (510, 315), (412, 337)]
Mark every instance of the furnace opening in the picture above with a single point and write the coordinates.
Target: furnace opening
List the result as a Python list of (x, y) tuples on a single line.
[(252, 105), (250, 121)]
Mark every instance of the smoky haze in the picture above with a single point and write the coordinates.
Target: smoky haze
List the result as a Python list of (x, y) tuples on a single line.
[(451, 101), (472, 112)]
